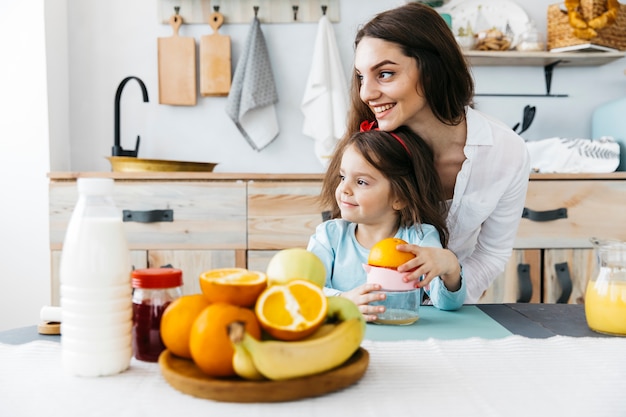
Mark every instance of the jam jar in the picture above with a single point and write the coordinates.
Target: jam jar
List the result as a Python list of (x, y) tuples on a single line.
[(153, 290)]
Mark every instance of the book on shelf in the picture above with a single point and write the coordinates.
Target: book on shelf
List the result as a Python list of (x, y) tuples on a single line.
[(584, 47)]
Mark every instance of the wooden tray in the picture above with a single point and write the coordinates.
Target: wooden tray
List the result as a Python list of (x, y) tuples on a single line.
[(185, 376)]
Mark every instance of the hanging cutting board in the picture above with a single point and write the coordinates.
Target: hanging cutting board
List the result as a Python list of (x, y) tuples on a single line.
[(609, 119), (177, 67), (215, 71)]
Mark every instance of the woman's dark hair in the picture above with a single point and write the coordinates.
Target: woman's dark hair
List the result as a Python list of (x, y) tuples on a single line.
[(424, 35), (410, 171)]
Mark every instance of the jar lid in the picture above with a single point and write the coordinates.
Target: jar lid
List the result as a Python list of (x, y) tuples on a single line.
[(157, 278)]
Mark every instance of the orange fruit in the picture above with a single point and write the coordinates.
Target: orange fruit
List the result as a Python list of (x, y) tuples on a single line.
[(236, 286), (211, 348), (292, 311), (177, 320), (385, 254)]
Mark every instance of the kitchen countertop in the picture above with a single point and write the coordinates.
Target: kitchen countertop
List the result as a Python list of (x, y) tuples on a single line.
[(229, 176)]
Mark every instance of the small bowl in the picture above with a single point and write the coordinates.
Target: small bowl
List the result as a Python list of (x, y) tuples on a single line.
[(389, 279)]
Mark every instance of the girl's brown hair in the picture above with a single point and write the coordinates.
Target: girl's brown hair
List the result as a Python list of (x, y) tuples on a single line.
[(424, 35), (410, 171)]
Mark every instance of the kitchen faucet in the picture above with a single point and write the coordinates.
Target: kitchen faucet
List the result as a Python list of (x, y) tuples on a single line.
[(117, 148)]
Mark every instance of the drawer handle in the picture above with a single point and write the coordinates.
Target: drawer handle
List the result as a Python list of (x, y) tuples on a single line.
[(150, 216), (563, 276), (544, 216), (525, 285)]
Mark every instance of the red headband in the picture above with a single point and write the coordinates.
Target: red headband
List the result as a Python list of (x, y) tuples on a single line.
[(373, 125)]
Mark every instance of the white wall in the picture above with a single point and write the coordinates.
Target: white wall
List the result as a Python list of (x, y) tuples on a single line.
[(93, 44), (24, 163), (110, 40)]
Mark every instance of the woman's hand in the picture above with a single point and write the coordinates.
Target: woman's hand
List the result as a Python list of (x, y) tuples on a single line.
[(362, 296), (432, 262)]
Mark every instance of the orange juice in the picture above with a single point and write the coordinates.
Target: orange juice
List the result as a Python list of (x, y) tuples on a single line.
[(605, 306)]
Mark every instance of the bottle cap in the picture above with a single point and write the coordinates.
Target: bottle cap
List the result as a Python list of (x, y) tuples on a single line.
[(157, 278)]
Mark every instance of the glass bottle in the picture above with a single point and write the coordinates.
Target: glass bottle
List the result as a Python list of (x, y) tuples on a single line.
[(96, 304), (153, 290)]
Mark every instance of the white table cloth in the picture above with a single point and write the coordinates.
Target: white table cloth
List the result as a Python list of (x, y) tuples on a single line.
[(512, 376)]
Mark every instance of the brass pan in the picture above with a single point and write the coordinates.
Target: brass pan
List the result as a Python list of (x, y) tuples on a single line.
[(132, 164)]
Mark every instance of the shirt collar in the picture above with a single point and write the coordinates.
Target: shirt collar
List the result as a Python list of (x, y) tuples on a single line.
[(478, 130)]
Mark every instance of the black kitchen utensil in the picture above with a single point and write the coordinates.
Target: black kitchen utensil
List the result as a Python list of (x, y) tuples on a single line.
[(527, 119)]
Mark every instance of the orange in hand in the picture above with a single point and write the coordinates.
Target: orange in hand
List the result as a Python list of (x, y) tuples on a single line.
[(211, 348), (292, 311), (385, 254), (236, 286)]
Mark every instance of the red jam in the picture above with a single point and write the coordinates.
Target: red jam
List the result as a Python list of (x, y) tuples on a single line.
[(153, 290)]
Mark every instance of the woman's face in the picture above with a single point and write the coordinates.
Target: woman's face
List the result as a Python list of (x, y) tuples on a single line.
[(390, 83), (363, 194)]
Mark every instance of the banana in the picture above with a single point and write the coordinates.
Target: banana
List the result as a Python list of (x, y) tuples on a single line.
[(280, 360), (243, 364)]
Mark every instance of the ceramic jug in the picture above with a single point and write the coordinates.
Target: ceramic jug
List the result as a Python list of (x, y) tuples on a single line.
[(605, 297)]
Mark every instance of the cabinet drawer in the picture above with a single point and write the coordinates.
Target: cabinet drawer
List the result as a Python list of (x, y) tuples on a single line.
[(594, 208), (282, 214), (205, 215)]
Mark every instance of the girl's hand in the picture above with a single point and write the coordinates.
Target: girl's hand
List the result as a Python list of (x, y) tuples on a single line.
[(362, 296), (432, 262)]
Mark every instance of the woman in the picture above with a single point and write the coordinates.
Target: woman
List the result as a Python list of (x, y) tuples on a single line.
[(409, 70)]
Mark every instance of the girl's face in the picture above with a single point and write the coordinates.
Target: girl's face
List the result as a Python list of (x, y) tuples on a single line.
[(363, 194), (390, 83)]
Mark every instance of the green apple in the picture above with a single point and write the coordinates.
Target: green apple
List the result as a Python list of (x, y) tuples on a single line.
[(295, 263)]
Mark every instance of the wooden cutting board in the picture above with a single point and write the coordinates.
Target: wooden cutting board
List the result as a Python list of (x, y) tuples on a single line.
[(177, 67), (215, 66), (185, 376)]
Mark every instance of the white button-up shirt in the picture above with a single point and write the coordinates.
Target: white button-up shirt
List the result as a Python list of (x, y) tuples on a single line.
[(488, 201)]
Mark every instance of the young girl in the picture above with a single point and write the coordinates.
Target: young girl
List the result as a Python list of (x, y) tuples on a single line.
[(385, 188)]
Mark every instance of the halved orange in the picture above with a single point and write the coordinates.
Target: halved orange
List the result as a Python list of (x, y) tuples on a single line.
[(292, 311), (385, 254), (236, 286)]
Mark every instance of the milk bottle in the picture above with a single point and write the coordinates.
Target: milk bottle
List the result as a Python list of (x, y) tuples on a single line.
[(96, 292)]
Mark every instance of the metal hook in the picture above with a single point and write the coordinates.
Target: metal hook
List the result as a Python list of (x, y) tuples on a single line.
[(177, 9), (324, 10), (295, 12), (216, 9), (256, 10)]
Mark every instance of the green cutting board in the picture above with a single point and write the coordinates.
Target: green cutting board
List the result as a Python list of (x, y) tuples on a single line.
[(468, 321)]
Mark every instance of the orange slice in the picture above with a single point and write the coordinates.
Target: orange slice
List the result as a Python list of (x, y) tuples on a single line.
[(236, 286), (292, 311), (385, 254)]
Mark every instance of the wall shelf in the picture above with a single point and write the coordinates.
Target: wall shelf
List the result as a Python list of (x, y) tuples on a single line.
[(547, 60)]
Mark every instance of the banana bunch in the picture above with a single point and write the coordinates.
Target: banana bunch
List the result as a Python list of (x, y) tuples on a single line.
[(330, 346)]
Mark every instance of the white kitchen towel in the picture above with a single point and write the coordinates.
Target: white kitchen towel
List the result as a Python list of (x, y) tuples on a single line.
[(252, 97), (325, 101), (562, 155)]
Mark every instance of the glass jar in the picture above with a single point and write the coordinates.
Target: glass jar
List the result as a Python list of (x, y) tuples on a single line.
[(153, 290), (531, 40), (605, 297)]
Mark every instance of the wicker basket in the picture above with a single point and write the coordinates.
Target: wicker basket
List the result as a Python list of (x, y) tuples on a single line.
[(560, 33)]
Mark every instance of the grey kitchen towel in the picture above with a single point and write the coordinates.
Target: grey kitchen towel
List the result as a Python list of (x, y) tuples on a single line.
[(252, 97)]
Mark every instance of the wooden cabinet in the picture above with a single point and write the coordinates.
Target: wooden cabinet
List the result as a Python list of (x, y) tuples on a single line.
[(581, 206), (224, 220), (191, 225)]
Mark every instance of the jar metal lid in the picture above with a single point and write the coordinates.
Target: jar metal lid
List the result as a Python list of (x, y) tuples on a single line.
[(157, 278)]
